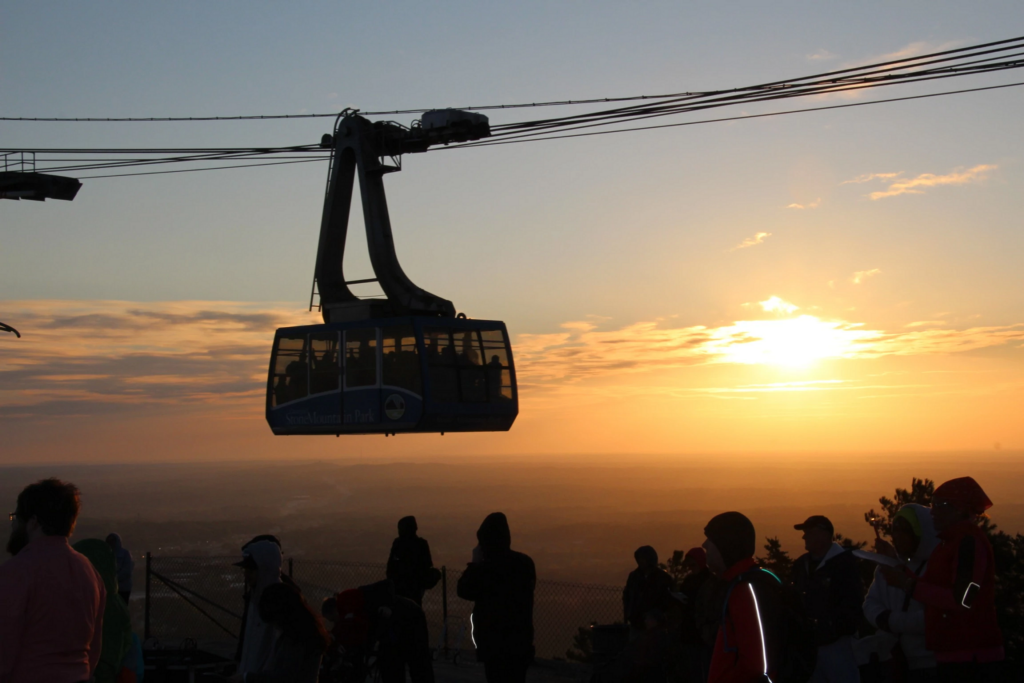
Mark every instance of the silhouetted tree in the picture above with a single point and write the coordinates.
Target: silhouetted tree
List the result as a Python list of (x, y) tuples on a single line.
[(675, 568), (920, 492), (777, 560)]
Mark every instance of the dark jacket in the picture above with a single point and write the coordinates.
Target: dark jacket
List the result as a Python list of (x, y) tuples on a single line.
[(409, 565), (401, 634), (690, 588), (501, 585), (289, 662), (644, 593), (958, 594), (832, 593)]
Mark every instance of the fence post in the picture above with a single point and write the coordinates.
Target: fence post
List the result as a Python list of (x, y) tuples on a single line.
[(291, 569), (444, 606), (149, 560)]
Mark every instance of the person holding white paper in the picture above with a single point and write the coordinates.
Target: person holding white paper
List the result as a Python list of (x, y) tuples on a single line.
[(899, 618)]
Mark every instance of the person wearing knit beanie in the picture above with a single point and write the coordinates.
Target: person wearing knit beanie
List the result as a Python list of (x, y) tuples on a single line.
[(731, 539)]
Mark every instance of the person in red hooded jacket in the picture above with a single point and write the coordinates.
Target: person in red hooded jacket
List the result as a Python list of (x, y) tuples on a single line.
[(958, 588), (744, 650)]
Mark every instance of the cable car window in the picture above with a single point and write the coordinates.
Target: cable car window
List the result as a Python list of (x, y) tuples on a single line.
[(472, 374), (323, 362), (401, 359), (442, 363), (361, 358), (499, 377), (291, 379)]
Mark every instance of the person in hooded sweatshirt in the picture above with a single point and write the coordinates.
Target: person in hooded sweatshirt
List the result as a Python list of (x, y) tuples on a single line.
[(409, 563), (900, 618), (117, 627), (828, 579), (500, 582), (262, 564), (300, 641), (125, 566), (744, 650), (957, 588)]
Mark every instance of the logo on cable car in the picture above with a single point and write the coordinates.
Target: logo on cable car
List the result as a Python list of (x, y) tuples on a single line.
[(394, 407), (310, 418)]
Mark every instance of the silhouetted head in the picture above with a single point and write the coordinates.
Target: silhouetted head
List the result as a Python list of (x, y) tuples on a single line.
[(262, 537), (283, 607), (115, 543), (818, 535), (494, 534), (730, 539), (695, 559), (47, 508), (646, 557), (407, 527), (957, 500)]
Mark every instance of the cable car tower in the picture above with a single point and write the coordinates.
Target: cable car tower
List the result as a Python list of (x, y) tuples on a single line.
[(404, 363)]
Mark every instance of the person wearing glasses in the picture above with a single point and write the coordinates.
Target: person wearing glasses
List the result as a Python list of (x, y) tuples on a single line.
[(51, 598), (958, 588)]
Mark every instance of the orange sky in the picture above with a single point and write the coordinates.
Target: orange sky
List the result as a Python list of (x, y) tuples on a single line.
[(115, 381)]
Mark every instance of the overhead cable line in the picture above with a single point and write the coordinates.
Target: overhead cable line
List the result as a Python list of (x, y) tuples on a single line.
[(578, 124), (864, 79), (524, 105), (726, 118), (986, 58), (195, 170)]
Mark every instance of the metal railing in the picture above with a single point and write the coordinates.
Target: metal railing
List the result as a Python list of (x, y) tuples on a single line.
[(201, 598)]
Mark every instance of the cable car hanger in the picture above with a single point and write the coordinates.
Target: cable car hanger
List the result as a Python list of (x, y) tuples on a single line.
[(361, 146)]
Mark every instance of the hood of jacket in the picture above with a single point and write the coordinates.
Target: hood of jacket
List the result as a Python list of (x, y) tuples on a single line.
[(494, 533), (928, 538), (114, 541), (102, 558), (259, 635), (267, 556), (833, 551)]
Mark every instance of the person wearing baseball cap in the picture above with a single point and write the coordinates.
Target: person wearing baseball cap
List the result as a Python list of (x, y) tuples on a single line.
[(957, 588), (828, 580)]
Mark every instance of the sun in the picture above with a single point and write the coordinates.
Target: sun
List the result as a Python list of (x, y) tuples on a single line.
[(793, 342)]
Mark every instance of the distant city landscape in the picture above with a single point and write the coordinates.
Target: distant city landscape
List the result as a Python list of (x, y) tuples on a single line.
[(580, 520)]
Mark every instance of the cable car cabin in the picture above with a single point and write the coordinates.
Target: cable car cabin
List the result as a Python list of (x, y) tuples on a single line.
[(392, 375)]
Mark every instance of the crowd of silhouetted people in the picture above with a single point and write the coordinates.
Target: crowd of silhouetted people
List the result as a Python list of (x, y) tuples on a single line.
[(722, 619)]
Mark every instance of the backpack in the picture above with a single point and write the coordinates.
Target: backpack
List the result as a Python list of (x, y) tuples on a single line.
[(789, 634)]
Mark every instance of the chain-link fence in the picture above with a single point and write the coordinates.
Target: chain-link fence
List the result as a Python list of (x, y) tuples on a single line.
[(190, 597), (201, 598)]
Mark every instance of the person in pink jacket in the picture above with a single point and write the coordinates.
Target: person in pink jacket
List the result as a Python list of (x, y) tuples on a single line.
[(51, 598)]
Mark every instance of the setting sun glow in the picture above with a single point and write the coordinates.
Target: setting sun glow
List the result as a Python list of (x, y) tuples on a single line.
[(794, 342)]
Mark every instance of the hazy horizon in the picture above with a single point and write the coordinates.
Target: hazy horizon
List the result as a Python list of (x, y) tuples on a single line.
[(580, 521)]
